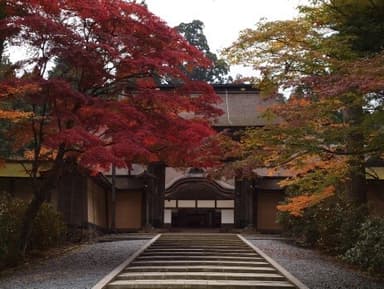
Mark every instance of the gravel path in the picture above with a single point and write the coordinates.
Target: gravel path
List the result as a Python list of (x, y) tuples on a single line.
[(83, 267), (78, 269), (313, 269)]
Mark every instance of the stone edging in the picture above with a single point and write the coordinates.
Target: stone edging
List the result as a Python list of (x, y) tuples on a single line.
[(108, 278), (279, 268)]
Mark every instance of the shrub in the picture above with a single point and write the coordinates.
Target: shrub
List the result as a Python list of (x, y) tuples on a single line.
[(11, 211), (337, 222), (48, 230), (330, 225), (368, 251), (303, 229)]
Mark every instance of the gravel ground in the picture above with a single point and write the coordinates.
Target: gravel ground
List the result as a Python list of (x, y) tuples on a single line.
[(79, 269), (85, 266), (313, 269)]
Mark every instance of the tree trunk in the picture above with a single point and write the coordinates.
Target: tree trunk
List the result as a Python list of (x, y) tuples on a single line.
[(27, 222), (42, 193), (356, 185)]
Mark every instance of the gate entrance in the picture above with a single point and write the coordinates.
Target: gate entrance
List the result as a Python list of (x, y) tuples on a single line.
[(196, 218), (198, 202)]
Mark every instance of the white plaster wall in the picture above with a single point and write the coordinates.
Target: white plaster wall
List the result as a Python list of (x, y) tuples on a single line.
[(167, 216), (227, 216), (225, 203), (205, 203), (186, 204), (170, 203)]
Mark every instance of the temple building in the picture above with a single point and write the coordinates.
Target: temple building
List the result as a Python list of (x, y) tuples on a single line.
[(174, 198), (158, 196)]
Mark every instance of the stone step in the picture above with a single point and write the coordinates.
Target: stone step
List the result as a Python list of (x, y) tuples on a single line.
[(199, 238), (192, 257), (191, 246), (200, 276), (196, 261), (199, 262), (202, 253), (189, 243), (207, 249), (222, 284), (199, 268)]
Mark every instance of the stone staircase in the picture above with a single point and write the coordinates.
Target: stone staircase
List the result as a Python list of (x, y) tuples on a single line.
[(200, 261)]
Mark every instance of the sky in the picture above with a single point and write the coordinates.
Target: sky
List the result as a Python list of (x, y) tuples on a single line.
[(223, 19)]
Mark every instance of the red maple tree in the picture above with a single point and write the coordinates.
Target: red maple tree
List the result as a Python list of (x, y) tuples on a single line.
[(102, 103)]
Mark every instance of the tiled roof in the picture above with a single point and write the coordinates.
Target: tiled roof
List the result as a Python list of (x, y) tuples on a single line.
[(242, 107)]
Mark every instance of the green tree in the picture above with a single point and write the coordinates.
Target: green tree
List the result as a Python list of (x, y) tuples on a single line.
[(194, 33), (359, 23), (330, 124)]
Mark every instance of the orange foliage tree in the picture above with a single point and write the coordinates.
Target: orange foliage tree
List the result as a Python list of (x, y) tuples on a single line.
[(331, 122)]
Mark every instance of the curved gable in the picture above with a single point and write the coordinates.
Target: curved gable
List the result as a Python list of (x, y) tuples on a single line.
[(200, 188)]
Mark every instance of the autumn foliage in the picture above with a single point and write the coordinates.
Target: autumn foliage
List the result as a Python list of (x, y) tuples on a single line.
[(103, 104), (329, 123), (100, 83), (296, 205)]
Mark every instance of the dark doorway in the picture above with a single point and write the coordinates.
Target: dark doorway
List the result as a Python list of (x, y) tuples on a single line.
[(196, 218)]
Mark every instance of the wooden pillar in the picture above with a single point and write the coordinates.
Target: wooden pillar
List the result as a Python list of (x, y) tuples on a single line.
[(148, 193), (113, 200), (237, 212), (250, 206), (243, 202), (255, 206), (157, 189)]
